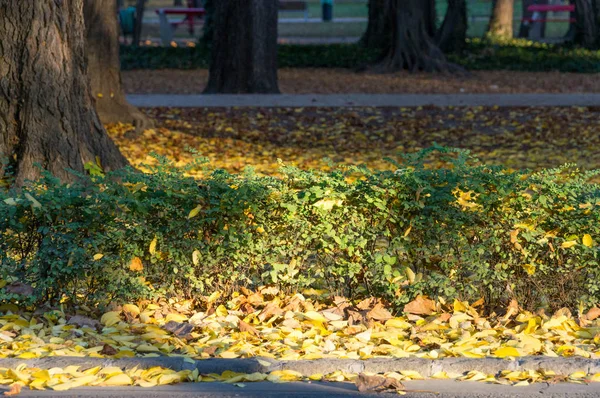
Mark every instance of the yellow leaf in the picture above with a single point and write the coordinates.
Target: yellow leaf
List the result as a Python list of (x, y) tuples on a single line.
[(131, 309), (153, 246), (507, 352), (194, 212), (98, 256), (196, 257), (136, 265), (327, 204), (118, 380), (315, 316), (568, 244), (78, 382), (110, 318), (587, 240)]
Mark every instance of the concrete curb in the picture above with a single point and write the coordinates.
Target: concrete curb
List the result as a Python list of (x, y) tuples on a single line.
[(368, 100), (426, 367)]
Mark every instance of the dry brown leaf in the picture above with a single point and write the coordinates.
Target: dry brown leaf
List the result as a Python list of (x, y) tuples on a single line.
[(179, 329), (378, 313), (136, 265), (420, 306), (15, 389), (81, 320), (245, 327), (108, 350), (377, 383), (269, 311), (19, 288), (593, 313)]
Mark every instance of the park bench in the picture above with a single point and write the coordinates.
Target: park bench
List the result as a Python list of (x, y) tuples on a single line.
[(167, 28), (294, 6)]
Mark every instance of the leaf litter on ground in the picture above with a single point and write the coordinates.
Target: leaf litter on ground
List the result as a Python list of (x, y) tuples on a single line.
[(271, 324)]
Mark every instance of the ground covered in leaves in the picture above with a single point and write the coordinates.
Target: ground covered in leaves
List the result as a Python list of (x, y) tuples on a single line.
[(235, 138), (271, 324), (333, 81)]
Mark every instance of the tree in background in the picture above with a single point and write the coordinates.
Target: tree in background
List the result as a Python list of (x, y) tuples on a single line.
[(411, 46), (452, 35), (587, 24), (104, 69), (378, 33), (501, 21), (47, 114), (244, 47)]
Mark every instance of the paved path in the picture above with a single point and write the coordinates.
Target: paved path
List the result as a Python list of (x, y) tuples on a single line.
[(445, 389), (375, 100)]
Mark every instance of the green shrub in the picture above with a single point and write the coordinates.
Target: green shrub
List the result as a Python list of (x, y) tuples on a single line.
[(481, 54), (464, 231)]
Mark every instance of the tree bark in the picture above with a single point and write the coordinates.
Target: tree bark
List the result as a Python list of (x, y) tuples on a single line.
[(140, 7), (501, 21), (412, 48), (104, 69), (378, 33), (430, 17), (244, 48), (47, 114), (452, 35), (587, 24)]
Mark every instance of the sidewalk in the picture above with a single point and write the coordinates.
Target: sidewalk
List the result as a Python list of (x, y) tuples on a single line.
[(368, 100), (442, 389)]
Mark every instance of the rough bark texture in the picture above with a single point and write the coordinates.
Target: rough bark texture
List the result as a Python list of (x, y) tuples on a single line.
[(378, 33), (47, 113), (104, 69), (452, 35), (587, 24), (244, 47), (501, 22), (412, 48)]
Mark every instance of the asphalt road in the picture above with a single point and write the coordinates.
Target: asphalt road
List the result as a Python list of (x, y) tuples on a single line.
[(440, 388)]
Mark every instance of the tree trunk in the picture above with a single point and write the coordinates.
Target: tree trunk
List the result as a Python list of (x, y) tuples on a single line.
[(452, 36), (430, 17), (104, 69), (244, 48), (412, 48), (140, 7), (501, 22), (47, 114), (586, 25), (378, 33), (209, 22)]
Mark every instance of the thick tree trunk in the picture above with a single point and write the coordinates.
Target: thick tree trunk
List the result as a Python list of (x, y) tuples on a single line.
[(378, 33), (104, 69), (412, 48), (452, 36), (430, 17), (244, 48), (501, 21), (587, 24), (47, 114)]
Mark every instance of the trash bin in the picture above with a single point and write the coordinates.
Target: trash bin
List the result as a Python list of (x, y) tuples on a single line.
[(327, 10), (127, 20)]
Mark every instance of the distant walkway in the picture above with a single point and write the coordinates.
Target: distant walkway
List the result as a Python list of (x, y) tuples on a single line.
[(374, 100)]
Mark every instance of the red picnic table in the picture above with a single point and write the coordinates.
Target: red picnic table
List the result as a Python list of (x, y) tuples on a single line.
[(167, 28), (538, 9)]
